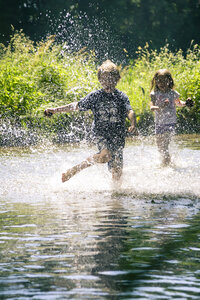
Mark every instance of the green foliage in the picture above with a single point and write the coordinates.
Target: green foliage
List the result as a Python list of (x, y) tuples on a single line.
[(136, 81), (32, 76), (36, 76)]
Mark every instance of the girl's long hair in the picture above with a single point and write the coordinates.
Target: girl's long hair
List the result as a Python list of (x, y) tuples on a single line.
[(162, 73)]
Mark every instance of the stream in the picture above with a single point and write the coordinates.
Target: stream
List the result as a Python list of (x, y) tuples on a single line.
[(89, 238)]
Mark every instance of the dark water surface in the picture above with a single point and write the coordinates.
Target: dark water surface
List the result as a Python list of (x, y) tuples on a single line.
[(89, 239)]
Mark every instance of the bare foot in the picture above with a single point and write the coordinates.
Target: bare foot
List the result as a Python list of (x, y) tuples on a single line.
[(70, 173), (66, 176)]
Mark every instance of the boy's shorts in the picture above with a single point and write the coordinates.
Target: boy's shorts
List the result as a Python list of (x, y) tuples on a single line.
[(160, 129), (115, 146)]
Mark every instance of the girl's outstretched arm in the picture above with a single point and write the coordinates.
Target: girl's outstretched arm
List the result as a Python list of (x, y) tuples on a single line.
[(189, 103), (179, 103)]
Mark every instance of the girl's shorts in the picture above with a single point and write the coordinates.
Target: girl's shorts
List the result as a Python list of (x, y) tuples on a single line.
[(160, 129)]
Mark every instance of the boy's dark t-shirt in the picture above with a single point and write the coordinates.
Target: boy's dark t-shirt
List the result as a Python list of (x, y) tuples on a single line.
[(110, 111)]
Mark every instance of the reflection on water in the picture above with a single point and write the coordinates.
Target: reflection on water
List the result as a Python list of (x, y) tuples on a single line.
[(86, 239)]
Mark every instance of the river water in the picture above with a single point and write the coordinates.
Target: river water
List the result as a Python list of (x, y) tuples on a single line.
[(90, 239)]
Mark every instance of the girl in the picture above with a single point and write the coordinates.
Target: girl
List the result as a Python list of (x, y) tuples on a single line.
[(163, 102)]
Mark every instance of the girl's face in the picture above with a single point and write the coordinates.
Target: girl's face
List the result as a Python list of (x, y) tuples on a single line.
[(108, 82), (162, 83)]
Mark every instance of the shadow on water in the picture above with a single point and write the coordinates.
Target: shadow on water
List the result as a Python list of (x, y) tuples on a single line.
[(124, 248), (149, 263), (151, 253), (89, 240)]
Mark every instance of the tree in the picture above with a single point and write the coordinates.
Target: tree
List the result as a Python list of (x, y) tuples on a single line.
[(107, 25)]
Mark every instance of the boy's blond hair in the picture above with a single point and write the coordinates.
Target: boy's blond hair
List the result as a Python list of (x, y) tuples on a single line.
[(108, 67)]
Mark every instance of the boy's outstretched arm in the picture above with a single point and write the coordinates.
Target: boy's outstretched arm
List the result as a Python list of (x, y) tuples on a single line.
[(131, 116), (65, 108)]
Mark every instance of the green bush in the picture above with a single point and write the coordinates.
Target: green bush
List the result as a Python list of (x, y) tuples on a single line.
[(33, 76), (45, 74), (136, 82)]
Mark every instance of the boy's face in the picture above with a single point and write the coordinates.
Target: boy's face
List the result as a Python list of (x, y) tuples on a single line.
[(108, 82)]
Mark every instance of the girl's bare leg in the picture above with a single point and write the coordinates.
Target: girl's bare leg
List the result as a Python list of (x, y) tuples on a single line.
[(163, 141), (102, 157)]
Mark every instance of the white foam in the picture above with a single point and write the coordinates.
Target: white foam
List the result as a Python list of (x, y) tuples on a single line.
[(37, 175)]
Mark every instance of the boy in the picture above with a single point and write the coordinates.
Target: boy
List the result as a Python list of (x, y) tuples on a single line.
[(110, 108)]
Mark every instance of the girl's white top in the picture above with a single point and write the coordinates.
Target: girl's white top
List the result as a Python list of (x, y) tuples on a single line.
[(167, 112)]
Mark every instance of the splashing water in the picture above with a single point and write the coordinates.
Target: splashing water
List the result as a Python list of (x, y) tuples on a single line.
[(35, 171), (88, 239), (91, 32)]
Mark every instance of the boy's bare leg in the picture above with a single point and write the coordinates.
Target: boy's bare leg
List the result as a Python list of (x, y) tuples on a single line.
[(76, 169), (102, 157), (116, 174)]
